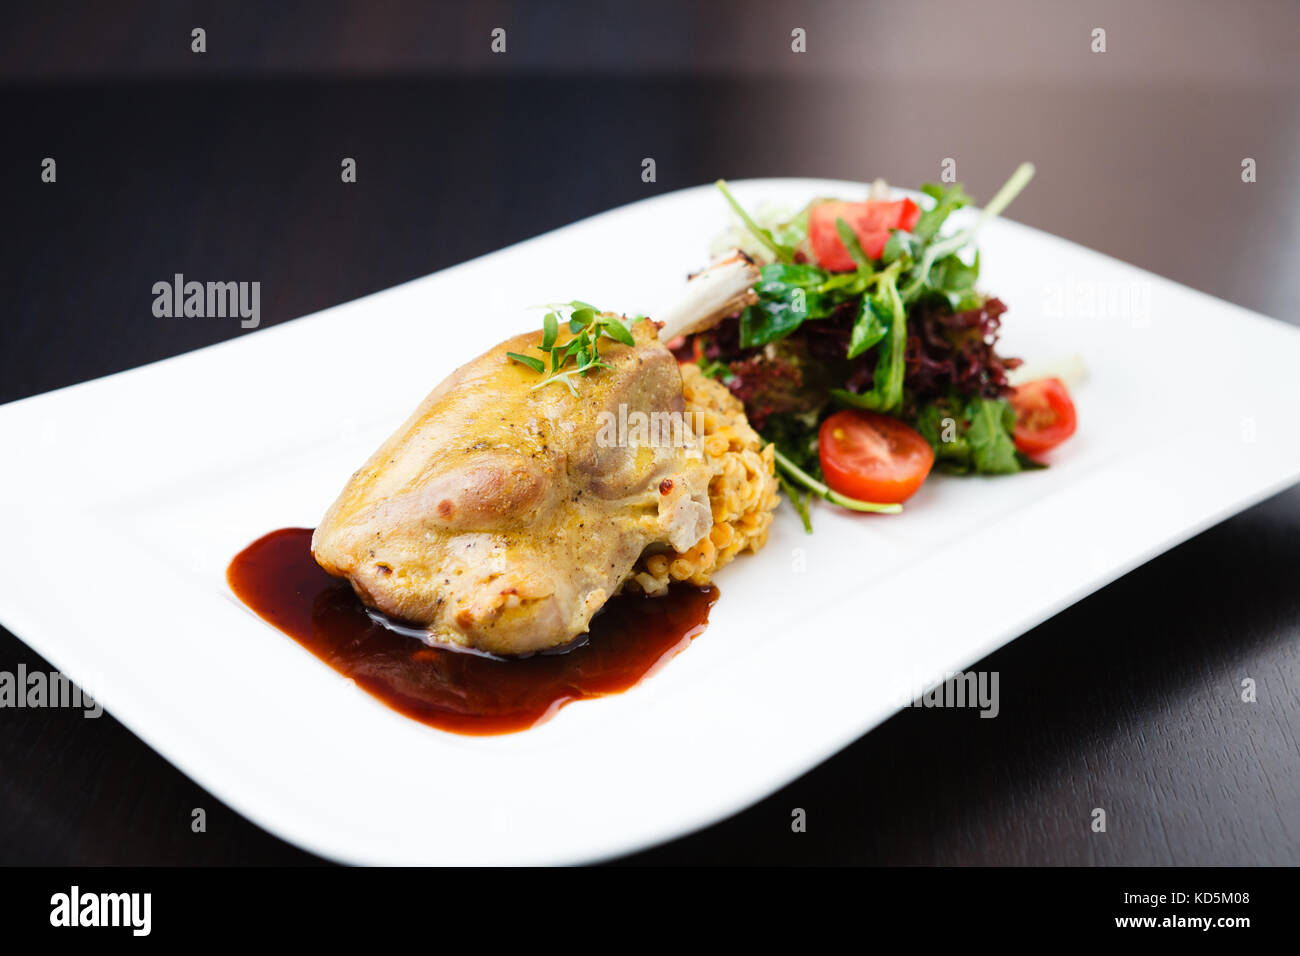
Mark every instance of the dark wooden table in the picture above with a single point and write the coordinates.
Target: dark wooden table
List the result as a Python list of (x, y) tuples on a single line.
[(1129, 700)]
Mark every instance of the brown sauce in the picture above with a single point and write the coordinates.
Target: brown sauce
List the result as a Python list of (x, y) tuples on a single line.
[(630, 639)]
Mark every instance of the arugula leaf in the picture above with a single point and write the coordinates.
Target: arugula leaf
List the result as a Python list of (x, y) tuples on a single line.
[(791, 293), (768, 321), (950, 274), (846, 285), (975, 436), (936, 250), (853, 246), (946, 202), (900, 245), (943, 429), (886, 393), (953, 279), (788, 293), (800, 274), (868, 329), (992, 421)]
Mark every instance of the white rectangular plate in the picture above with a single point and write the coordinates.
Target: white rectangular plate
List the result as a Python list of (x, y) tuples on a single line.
[(123, 500)]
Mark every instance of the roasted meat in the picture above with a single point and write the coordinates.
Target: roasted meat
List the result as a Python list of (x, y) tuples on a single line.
[(500, 517)]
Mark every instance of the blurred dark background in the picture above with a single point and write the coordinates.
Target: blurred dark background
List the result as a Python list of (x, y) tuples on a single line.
[(226, 164)]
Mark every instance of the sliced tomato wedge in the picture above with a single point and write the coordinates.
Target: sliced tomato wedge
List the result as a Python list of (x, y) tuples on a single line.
[(873, 457), (871, 221), (1045, 415)]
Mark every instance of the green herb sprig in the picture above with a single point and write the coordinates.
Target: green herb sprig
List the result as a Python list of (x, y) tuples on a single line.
[(581, 354)]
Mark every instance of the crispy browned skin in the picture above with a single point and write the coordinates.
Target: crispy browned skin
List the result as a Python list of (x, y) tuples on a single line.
[(495, 518)]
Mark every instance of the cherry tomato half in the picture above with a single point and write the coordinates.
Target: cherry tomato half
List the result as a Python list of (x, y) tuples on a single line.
[(871, 221), (1045, 415), (873, 457)]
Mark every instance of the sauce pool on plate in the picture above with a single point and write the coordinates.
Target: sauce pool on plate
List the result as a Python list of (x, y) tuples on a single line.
[(630, 638)]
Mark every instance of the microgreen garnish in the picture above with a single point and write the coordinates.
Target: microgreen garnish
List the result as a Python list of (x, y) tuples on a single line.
[(581, 353), (535, 364)]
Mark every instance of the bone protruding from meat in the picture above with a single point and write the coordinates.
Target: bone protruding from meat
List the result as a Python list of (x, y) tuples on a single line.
[(723, 288)]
